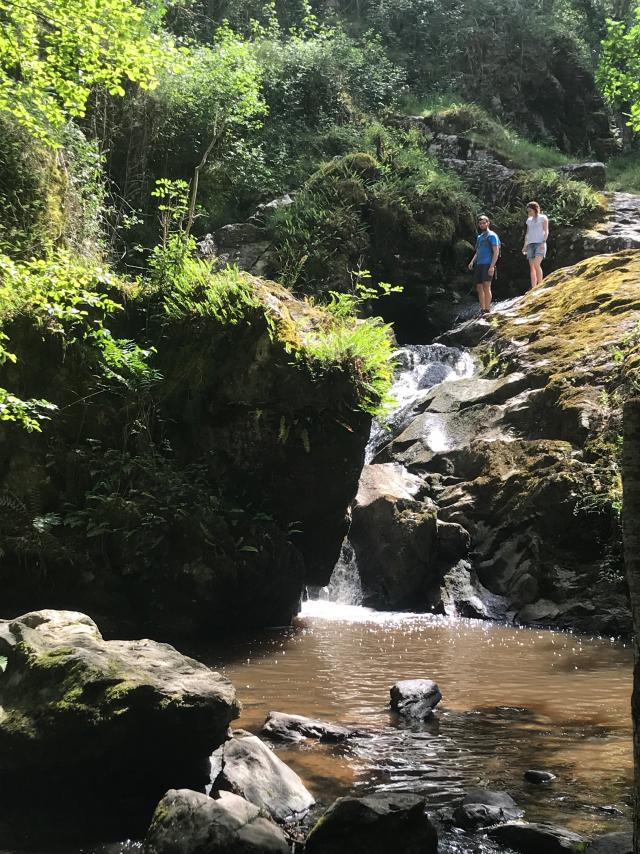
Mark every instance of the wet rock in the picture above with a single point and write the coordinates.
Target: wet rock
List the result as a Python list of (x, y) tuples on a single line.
[(483, 808), (376, 824), (453, 541), (298, 728), (393, 535), (536, 838), (462, 595), (612, 843), (245, 766), (535, 776), (145, 715), (593, 173), (415, 698), (187, 822)]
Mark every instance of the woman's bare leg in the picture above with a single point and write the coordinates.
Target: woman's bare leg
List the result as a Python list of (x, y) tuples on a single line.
[(533, 275), (538, 266)]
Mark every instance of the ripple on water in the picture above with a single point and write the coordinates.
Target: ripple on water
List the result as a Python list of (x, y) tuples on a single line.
[(512, 699)]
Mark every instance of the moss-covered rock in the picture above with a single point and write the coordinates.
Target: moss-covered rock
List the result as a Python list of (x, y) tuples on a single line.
[(194, 492), (525, 456), (134, 717)]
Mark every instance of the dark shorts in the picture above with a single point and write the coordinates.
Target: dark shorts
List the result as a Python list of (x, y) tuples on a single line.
[(481, 274)]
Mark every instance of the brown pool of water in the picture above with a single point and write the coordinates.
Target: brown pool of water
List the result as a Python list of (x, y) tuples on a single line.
[(513, 699)]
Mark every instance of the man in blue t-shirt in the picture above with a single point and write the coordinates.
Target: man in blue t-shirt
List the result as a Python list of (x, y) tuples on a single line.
[(484, 262)]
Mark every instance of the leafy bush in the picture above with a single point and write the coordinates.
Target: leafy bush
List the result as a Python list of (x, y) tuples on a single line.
[(565, 201)]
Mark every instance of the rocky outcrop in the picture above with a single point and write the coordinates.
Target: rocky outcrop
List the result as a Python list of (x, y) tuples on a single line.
[(198, 496), (618, 229), (187, 822), (612, 843), (374, 825), (393, 535), (593, 173), (523, 457), (245, 766), (134, 717)]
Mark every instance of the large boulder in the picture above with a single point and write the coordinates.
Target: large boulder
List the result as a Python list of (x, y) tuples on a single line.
[(593, 173), (187, 822), (246, 766), (377, 824), (134, 717), (393, 536), (534, 838)]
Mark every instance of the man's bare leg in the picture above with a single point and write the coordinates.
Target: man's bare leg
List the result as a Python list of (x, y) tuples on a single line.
[(486, 292)]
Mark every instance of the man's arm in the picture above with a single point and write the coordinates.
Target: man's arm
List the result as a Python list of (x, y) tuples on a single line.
[(473, 260), (495, 254)]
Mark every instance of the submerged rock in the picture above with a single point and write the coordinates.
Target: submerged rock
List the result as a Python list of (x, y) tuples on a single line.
[(134, 717), (415, 698), (187, 822), (537, 838), (246, 766), (298, 728), (376, 824), (482, 808), (535, 776)]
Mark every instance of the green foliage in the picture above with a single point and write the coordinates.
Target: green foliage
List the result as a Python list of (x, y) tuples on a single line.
[(623, 172), (49, 198), (52, 52), (619, 69), (565, 201), (357, 206), (449, 114), (70, 298)]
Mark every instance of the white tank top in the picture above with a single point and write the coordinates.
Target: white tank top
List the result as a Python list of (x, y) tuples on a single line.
[(535, 228)]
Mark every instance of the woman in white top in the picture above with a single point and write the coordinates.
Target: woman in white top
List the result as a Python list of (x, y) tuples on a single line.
[(535, 241)]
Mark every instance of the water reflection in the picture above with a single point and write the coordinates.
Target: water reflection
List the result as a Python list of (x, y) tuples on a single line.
[(512, 699)]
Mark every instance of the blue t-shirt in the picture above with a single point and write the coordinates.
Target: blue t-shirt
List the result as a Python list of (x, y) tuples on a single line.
[(485, 242)]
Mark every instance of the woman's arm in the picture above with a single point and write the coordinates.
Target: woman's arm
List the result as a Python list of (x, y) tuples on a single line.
[(545, 226)]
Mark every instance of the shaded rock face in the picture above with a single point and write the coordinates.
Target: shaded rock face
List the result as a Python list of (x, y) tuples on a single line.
[(187, 822), (211, 497), (134, 717), (393, 536), (246, 766), (515, 459), (374, 825)]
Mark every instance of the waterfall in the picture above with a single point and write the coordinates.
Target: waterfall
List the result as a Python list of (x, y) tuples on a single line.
[(344, 585), (419, 367)]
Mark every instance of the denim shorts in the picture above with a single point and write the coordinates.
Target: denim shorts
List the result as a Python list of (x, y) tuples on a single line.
[(536, 250)]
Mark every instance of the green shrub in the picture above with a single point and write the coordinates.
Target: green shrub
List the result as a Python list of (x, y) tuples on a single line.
[(623, 172)]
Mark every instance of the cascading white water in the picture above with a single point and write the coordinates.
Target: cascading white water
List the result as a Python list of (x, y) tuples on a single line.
[(419, 368), (344, 585)]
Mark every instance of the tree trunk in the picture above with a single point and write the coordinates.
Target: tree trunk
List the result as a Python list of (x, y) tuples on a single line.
[(631, 532)]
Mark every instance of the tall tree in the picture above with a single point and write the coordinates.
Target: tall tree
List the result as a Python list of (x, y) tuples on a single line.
[(52, 52)]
